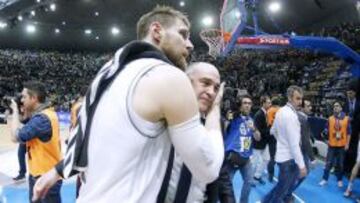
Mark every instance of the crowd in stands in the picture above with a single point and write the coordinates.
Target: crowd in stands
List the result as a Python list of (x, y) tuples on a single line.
[(348, 33), (265, 72), (64, 73), (324, 77)]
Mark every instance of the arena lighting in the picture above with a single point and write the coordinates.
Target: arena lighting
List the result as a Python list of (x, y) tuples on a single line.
[(274, 7), (237, 14), (88, 31), (3, 25), (32, 13), (358, 6), (63, 23), (52, 7), (97, 37), (57, 30), (20, 18), (30, 28), (115, 31), (96, 13), (182, 3), (38, 1), (207, 21)]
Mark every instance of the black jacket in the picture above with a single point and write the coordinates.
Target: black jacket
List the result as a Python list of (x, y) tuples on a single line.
[(261, 125), (355, 116), (306, 135)]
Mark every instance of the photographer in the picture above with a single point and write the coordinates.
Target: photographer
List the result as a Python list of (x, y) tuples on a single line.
[(40, 134)]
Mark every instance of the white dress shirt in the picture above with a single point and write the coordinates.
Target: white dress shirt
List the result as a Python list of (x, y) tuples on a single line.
[(286, 129)]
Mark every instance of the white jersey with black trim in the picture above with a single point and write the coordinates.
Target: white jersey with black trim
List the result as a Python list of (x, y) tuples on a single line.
[(196, 191), (127, 155)]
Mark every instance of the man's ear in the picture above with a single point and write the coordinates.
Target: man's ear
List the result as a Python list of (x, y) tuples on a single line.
[(156, 31), (33, 98)]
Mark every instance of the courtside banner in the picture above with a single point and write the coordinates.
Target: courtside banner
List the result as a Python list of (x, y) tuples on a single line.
[(261, 40)]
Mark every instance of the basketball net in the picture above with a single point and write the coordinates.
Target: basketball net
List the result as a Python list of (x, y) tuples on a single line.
[(214, 39)]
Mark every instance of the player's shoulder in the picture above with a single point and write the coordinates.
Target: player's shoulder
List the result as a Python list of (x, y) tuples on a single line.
[(167, 74), (170, 70)]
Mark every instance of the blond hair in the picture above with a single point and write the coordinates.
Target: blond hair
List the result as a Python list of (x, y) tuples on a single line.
[(165, 15)]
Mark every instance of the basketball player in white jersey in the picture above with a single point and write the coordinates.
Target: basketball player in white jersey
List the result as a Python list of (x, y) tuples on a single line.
[(148, 111)]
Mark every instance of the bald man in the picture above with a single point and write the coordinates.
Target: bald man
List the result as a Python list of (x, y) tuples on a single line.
[(205, 80)]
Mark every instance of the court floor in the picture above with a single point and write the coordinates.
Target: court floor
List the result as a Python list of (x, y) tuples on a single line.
[(309, 191)]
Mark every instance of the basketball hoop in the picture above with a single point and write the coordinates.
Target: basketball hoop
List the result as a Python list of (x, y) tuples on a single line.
[(214, 39)]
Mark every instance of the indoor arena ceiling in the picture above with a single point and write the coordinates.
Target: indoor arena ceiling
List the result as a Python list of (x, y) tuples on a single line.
[(63, 26)]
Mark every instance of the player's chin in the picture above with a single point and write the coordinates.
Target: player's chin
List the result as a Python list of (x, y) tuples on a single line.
[(204, 107), (183, 62)]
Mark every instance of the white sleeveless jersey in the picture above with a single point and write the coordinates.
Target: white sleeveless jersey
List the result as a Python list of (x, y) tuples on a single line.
[(127, 155), (196, 193)]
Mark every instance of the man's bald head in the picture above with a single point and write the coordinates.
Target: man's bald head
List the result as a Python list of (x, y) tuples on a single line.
[(205, 79), (197, 67)]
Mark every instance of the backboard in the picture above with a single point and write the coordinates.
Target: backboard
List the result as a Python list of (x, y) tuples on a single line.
[(230, 16)]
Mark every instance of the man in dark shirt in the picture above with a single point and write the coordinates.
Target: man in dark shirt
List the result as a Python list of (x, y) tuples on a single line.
[(261, 153), (306, 133), (352, 109)]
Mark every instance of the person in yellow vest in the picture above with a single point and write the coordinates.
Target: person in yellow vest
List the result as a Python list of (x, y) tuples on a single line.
[(41, 136), (339, 130)]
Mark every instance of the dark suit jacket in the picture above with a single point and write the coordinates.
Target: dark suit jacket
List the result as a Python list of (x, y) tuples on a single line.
[(306, 147), (347, 107), (261, 125), (355, 116)]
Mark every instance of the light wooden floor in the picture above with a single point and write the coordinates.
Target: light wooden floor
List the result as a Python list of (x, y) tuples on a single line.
[(5, 142)]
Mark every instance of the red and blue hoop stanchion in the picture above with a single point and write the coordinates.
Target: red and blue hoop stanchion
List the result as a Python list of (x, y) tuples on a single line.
[(327, 45), (262, 40)]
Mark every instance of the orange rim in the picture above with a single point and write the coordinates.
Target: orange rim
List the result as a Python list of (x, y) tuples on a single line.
[(227, 36)]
